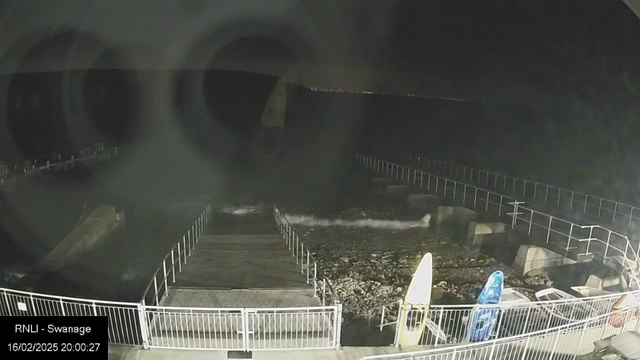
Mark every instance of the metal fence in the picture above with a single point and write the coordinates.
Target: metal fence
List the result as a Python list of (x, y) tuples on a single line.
[(158, 287), (606, 211), (12, 175), (607, 246), (562, 342), (308, 264), (124, 318), (244, 329), (451, 324)]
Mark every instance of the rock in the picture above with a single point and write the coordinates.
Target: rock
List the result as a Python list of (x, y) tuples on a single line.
[(534, 272), (344, 259), (442, 283)]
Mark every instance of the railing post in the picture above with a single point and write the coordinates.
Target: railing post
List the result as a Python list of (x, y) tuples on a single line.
[(439, 325), (324, 290), (571, 203), (526, 320), (501, 311), (33, 305), (338, 320), (524, 189), (615, 210), (184, 248), (493, 348), (555, 344), (584, 330), (297, 249), (464, 193), (308, 256), (589, 241), (315, 279), (95, 308), (475, 198), (301, 256), (546, 194), (559, 195), (399, 324), (606, 249), (600, 207), (62, 308), (173, 268), (586, 199), (631, 215), (179, 259), (500, 206), (526, 347), (569, 241), (549, 229), (486, 207), (155, 286), (164, 270), (189, 240), (144, 331), (445, 186), (535, 190)]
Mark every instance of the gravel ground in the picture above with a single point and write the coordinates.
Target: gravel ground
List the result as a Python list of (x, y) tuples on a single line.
[(372, 266)]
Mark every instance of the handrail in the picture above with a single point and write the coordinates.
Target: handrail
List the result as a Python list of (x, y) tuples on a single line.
[(398, 171), (69, 298), (177, 253), (542, 302), (30, 167), (575, 195), (290, 237), (475, 345)]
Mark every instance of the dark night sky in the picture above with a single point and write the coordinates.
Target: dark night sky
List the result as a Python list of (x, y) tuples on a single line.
[(569, 48)]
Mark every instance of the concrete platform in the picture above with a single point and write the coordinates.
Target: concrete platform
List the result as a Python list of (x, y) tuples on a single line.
[(454, 215), (241, 262), (244, 298), (119, 352)]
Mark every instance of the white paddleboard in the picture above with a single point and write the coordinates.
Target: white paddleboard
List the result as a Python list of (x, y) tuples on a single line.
[(416, 303)]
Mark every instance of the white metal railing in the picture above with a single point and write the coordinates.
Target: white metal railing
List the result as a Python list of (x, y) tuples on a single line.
[(566, 341), (9, 178), (195, 328), (158, 287), (124, 317), (321, 285), (595, 207), (314, 328), (244, 328), (610, 247), (452, 322)]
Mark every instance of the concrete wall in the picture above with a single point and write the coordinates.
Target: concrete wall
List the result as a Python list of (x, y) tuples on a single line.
[(88, 234), (531, 257), (454, 215)]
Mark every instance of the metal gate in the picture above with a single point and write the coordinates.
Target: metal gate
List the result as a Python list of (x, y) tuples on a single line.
[(242, 329)]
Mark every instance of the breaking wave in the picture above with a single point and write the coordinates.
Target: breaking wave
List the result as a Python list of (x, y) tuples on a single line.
[(306, 220)]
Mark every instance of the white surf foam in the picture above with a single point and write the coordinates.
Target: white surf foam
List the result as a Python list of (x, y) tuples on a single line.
[(307, 220)]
